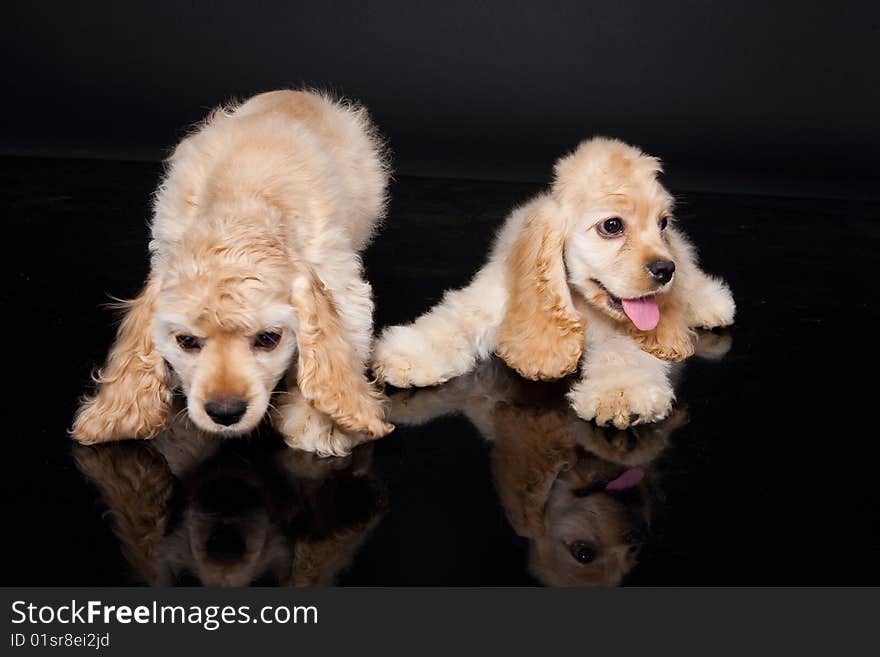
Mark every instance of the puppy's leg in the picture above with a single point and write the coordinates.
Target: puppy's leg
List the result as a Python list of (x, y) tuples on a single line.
[(672, 339), (448, 340), (334, 310), (710, 302), (707, 301), (713, 346), (305, 427), (621, 384), (634, 446), (354, 304), (417, 407)]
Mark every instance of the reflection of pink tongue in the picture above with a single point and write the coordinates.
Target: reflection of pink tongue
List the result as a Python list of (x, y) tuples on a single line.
[(643, 312), (628, 479)]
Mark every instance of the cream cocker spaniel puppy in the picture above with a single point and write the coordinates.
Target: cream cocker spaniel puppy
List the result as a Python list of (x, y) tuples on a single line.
[(592, 271), (255, 276)]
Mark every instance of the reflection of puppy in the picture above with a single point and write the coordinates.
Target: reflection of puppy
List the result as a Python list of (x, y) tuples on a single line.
[(255, 272), (594, 267), (586, 517), (188, 508), (580, 493)]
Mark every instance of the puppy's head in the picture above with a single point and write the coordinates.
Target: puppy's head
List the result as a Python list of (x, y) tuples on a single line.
[(617, 218), (592, 533), (225, 326), (226, 309), (601, 231)]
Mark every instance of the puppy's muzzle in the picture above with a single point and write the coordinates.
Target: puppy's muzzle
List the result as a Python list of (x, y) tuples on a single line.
[(226, 410), (661, 270)]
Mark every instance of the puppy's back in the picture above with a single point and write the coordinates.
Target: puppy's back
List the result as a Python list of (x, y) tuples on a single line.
[(346, 135), (294, 148)]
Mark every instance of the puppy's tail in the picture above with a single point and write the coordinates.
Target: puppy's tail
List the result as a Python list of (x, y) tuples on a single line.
[(449, 339)]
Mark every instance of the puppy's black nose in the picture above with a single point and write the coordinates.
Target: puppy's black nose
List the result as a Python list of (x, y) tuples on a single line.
[(226, 410), (662, 270)]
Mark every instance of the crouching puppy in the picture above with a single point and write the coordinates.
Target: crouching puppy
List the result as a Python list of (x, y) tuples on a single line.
[(592, 271), (255, 277)]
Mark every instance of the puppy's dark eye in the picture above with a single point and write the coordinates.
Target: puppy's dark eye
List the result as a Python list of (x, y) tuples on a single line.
[(268, 340), (664, 221), (583, 552), (189, 342), (611, 227)]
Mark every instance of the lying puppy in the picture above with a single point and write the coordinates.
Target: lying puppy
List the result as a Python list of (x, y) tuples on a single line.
[(582, 495), (594, 270), (189, 509), (255, 274)]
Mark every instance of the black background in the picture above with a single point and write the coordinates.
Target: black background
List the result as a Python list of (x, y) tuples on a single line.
[(774, 479), (775, 95)]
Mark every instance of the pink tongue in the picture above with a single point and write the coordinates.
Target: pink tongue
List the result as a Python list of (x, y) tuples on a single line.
[(643, 312), (628, 479)]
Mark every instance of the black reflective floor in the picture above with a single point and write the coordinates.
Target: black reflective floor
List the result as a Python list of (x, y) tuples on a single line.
[(766, 473)]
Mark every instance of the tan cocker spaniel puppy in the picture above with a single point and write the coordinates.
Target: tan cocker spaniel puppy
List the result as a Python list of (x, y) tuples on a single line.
[(256, 276), (592, 271)]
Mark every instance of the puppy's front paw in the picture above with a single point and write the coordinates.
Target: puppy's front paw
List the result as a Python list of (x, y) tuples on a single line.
[(713, 346), (715, 306), (621, 405), (667, 342), (632, 446), (306, 428), (405, 357)]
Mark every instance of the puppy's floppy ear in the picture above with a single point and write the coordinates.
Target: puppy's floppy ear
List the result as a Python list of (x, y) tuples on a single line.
[(532, 446), (137, 487), (541, 335), (329, 373), (133, 396), (317, 560)]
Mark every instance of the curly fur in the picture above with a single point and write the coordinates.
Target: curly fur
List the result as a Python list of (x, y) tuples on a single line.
[(544, 298), (136, 485), (258, 225), (133, 365), (541, 333)]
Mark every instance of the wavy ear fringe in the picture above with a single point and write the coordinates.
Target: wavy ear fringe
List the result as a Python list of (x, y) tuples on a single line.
[(329, 373), (542, 334), (532, 446), (133, 395), (136, 486)]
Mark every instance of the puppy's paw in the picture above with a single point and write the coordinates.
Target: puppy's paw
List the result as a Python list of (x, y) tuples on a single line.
[(309, 465), (667, 342), (633, 446), (405, 357), (306, 428), (714, 306), (621, 405), (415, 407), (713, 346)]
